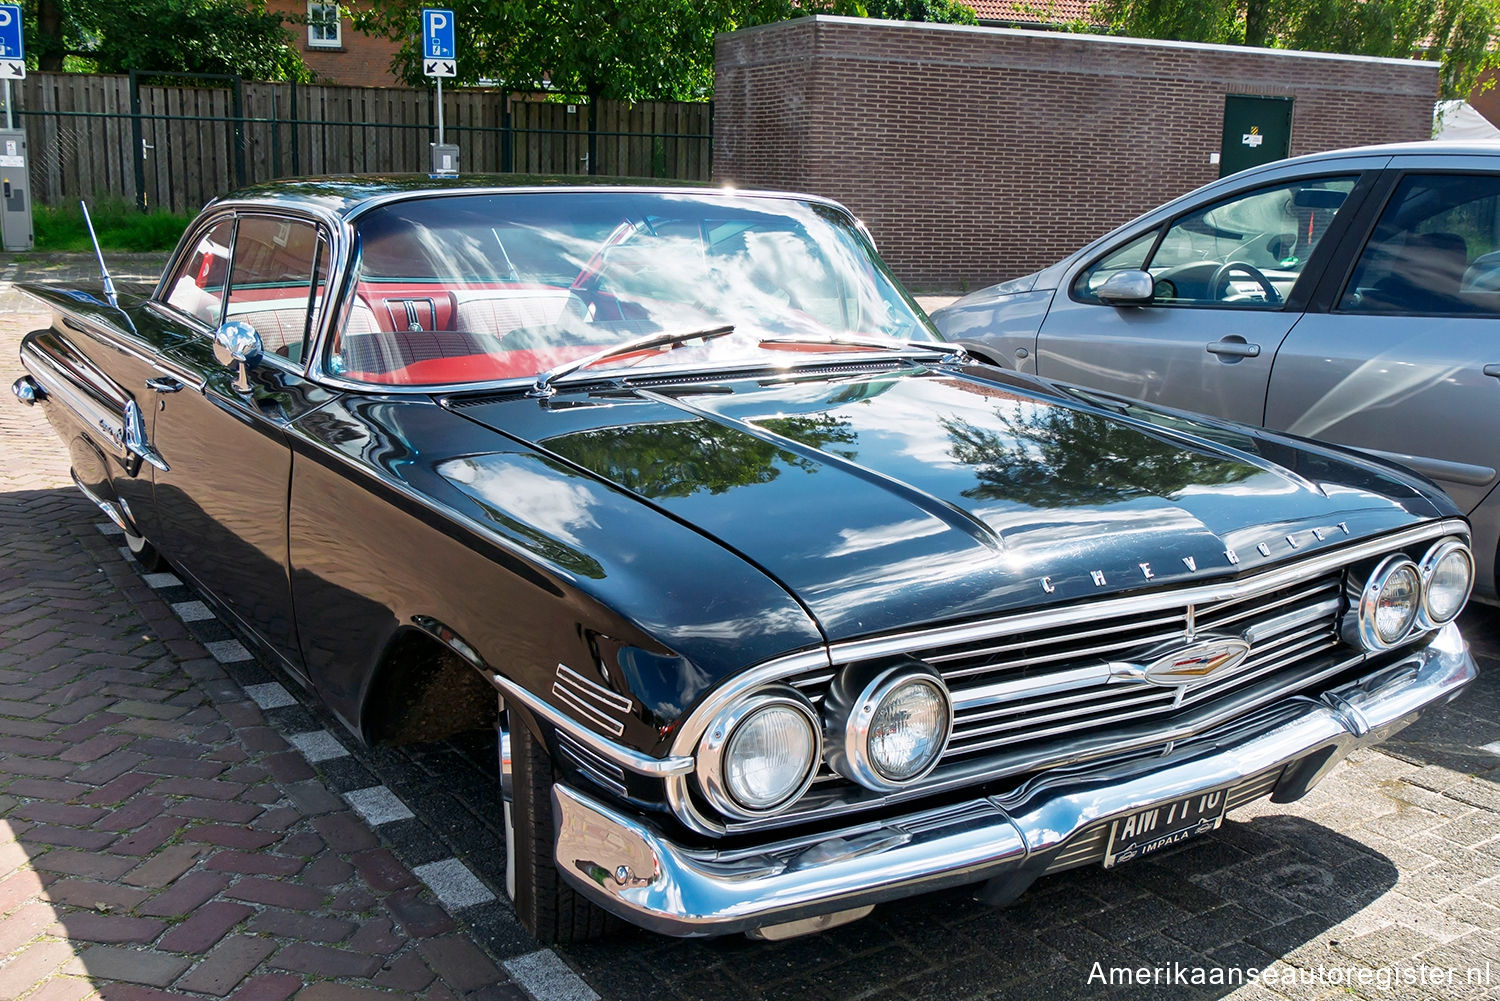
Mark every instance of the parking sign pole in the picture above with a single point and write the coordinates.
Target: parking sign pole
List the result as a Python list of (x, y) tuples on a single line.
[(439, 108), (8, 125)]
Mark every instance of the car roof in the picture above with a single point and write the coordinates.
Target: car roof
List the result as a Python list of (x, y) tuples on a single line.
[(346, 194), (1425, 147)]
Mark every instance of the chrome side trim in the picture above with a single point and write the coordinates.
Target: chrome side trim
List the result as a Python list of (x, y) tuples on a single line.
[(632, 760), (110, 510), (667, 888), (136, 440), (97, 418), (595, 703), (27, 391)]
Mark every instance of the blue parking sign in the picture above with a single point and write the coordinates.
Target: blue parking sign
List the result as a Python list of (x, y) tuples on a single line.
[(11, 45), (437, 33)]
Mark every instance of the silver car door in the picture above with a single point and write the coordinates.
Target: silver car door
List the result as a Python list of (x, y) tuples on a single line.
[(1228, 277), (1406, 362)]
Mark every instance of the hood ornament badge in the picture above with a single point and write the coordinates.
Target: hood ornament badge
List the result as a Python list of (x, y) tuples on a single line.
[(1181, 666)]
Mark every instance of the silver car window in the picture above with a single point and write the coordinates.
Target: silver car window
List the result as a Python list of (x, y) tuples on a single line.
[(1435, 250), (1246, 251), (1242, 252)]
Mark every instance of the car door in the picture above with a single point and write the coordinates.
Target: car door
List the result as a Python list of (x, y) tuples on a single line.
[(1404, 358), (220, 503), (1229, 277)]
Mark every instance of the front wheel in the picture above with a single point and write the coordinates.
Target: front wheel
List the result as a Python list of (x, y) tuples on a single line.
[(550, 909)]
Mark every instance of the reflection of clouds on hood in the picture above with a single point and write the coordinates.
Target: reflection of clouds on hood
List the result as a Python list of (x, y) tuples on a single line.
[(530, 496), (863, 540)]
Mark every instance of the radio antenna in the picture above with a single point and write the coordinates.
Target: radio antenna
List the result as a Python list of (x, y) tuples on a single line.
[(109, 285)]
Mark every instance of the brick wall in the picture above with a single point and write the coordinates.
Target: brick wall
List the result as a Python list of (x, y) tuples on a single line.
[(976, 154), (359, 61)]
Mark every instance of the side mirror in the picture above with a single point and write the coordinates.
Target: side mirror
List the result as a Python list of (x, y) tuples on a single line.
[(237, 346), (1127, 288)]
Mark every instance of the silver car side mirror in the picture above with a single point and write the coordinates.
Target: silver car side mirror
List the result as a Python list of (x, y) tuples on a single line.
[(237, 346), (1127, 288)]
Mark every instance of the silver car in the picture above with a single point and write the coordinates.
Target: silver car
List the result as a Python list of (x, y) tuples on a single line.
[(1349, 296)]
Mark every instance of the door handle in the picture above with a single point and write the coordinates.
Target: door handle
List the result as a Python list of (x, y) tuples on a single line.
[(164, 384), (1493, 371), (1234, 347)]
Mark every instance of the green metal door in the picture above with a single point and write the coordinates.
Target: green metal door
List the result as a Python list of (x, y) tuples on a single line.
[(1257, 130)]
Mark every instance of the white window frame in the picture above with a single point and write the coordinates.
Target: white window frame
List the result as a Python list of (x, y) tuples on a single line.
[(318, 25)]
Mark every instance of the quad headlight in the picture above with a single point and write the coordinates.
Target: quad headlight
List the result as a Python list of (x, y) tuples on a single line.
[(760, 753), (886, 727), (1447, 578), (1401, 597)]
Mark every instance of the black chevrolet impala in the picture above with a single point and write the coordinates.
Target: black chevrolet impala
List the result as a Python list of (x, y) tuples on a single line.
[(781, 606)]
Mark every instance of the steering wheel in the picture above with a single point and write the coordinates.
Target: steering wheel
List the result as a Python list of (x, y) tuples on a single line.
[(1218, 286)]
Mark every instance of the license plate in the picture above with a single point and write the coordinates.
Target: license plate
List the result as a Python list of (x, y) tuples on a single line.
[(1162, 826)]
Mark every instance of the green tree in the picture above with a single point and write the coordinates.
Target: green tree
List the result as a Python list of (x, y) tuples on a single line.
[(633, 50), (185, 36), (1457, 31)]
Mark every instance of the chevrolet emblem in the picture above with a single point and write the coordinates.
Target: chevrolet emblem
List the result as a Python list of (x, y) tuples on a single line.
[(1188, 665)]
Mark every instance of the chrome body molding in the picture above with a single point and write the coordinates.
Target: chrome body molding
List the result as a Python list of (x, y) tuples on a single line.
[(591, 701), (27, 391), (631, 760), (111, 510), (95, 416), (1011, 839)]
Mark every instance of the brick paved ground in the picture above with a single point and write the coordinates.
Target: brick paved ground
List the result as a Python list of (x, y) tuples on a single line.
[(1392, 867), (157, 838)]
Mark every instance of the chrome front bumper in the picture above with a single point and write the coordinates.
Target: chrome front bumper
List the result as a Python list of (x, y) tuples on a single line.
[(625, 865)]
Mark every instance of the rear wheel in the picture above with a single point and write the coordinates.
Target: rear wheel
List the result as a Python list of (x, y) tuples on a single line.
[(550, 909)]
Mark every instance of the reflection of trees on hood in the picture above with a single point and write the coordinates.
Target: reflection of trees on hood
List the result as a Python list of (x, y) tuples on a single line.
[(1049, 456), (681, 459)]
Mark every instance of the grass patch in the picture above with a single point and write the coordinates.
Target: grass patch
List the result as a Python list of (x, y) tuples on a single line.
[(120, 225)]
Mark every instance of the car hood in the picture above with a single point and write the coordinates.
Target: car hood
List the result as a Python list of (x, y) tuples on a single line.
[(901, 497)]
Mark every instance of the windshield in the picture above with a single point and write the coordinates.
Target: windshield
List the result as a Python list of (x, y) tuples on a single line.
[(474, 288)]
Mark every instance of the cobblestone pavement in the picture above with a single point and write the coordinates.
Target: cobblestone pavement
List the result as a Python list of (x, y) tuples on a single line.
[(1389, 872), (159, 838)]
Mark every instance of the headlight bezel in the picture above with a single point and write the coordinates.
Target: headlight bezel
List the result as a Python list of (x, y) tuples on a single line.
[(850, 709), (1369, 602), (1440, 551), (712, 764)]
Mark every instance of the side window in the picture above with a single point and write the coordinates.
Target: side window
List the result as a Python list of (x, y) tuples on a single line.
[(1243, 252), (271, 283), (1436, 249), (197, 286)]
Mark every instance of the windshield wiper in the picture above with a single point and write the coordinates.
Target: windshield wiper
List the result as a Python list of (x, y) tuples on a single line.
[(940, 347), (543, 386)]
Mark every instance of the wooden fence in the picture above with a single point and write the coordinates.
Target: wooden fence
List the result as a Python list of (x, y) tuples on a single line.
[(175, 144)]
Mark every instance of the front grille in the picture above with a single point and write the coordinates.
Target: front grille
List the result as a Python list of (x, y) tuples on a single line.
[(1018, 696)]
